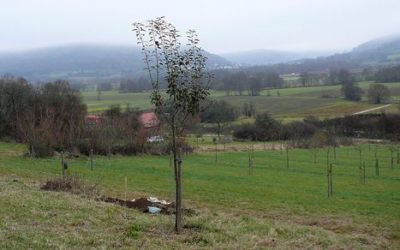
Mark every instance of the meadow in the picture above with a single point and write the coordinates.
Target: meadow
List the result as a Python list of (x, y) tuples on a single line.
[(273, 204), (291, 104)]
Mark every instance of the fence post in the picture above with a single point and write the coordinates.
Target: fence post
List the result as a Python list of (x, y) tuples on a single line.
[(287, 157), (62, 164), (216, 152), (328, 179), (250, 162), (91, 159), (126, 188), (364, 172), (377, 167), (398, 156), (331, 178), (361, 164), (391, 157)]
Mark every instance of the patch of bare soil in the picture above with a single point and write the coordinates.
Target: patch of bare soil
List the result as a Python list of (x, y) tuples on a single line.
[(143, 204), (72, 184)]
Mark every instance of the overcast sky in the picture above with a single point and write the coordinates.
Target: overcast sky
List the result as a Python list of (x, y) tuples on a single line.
[(223, 25)]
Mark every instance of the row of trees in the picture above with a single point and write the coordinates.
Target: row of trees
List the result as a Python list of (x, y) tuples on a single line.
[(266, 128), (134, 85), (388, 74), (245, 82)]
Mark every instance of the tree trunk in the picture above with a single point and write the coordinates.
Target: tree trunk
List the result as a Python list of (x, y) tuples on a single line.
[(178, 183)]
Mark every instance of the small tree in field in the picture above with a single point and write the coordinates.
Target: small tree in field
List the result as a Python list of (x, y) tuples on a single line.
[(219, 112), (350, 89), (182, 70), (378, 93)]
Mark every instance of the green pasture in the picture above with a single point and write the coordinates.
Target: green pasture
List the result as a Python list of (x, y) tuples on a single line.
[(299, 188), (291, 104), (293, 194)]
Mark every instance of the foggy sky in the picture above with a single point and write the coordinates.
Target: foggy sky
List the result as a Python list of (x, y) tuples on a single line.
[(223, 25)]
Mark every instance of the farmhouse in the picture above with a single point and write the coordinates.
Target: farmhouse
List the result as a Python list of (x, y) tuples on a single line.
[(149, 120), (93, 119), (150, 126)]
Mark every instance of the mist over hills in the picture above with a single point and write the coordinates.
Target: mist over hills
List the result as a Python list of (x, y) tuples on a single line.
[(266, 57), (385, 50), (375, 53), (90, 63), (82, 62)]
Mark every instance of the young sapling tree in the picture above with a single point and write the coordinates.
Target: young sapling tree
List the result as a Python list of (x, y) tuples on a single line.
[(179, 80)]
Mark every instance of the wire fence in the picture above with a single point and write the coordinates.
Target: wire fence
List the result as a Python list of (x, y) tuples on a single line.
[(379, 162)]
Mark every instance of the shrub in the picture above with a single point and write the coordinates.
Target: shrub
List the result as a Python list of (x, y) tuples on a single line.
[(40, 149), (298, 129), (72, 184), (248, 132)]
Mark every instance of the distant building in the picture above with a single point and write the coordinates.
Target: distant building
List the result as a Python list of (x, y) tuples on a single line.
[(93, 119), (149, 120), (150, 127)]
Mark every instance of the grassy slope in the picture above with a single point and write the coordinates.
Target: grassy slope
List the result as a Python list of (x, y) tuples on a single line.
[(293, 103), (31, 218), (358, 215)]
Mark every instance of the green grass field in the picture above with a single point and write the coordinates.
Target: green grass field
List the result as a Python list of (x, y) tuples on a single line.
[(293, 103), (275, 202)]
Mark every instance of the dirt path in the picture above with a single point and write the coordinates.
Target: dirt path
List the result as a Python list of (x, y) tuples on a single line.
[(373, 109)]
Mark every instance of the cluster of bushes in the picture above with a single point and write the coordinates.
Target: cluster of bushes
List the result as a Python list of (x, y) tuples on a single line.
[(372, 126), (52, 117), (313, 132), (266, 128), (47, 117)]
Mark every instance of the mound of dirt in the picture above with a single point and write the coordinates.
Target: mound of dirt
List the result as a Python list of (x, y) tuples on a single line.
[(143, 204)]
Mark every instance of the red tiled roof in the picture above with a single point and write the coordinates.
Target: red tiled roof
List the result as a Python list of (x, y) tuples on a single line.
[(148, 119), (94, 119)]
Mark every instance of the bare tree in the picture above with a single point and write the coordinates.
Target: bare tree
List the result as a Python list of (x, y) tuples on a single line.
[(182, 68), (378, 93)]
